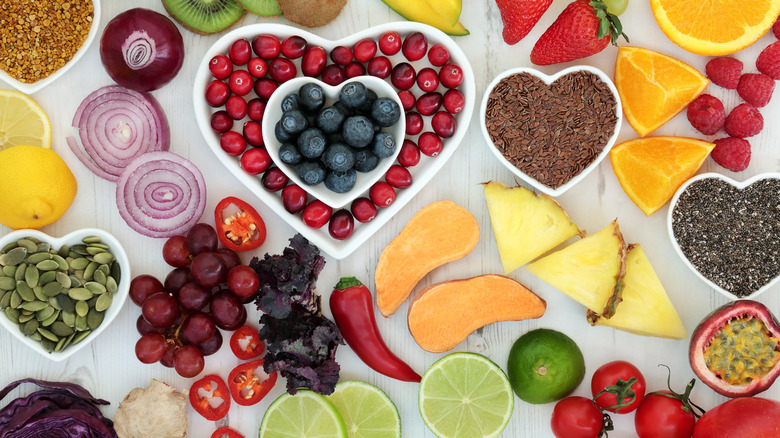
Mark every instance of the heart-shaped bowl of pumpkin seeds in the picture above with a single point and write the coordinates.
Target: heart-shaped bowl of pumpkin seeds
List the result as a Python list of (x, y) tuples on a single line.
[(59, 294)]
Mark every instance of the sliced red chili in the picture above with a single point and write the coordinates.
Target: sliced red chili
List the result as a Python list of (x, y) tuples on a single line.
[(239, 225), (209, 397), (226, 432), (246, 343), (249, 383)]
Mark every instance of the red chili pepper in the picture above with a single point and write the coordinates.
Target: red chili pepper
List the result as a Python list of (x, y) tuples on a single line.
[(226, 432), (353, 311), (247, 386), (239, 225), (246, 343), (213, 387)]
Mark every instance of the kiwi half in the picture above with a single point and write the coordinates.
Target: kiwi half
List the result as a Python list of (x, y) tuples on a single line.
[(264, 8), (311, 13), (204, 16)]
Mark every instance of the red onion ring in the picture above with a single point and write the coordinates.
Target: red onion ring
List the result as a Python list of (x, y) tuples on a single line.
[(161, 194), (115, 126)]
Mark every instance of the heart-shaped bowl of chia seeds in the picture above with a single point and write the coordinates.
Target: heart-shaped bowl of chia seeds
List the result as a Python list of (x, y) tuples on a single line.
[(728, 232), (58, 294)]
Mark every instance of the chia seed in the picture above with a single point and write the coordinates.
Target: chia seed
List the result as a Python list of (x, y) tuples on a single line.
[(731, 236)]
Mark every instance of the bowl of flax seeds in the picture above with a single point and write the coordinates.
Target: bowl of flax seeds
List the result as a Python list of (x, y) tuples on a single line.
[(551, 131)]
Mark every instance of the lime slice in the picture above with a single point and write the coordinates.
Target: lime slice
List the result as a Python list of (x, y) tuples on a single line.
[(465, 395), (367, 410), (305, 414)]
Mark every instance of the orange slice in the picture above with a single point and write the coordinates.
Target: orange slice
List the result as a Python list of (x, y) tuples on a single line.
[(715, 27), (654, 87), (650, 170)]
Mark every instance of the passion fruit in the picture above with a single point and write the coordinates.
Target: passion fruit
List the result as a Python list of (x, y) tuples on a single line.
[(734, 350)]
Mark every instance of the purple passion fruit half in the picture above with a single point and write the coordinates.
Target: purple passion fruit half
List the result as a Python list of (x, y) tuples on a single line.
[(741, 417), (734, 350)]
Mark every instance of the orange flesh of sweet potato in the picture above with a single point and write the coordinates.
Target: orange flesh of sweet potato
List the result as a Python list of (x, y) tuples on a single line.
[(439, 233), (444, 314)]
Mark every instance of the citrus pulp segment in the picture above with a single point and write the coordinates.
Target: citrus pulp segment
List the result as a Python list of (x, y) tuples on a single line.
[(367, 411), (22, 121), (305, 414)]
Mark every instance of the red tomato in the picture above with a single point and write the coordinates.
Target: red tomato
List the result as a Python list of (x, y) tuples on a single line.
[(608, 375), (239, 225), (576, 417), (203, 395), (246, 343), (249, 384), (226, 432), (659, 416)]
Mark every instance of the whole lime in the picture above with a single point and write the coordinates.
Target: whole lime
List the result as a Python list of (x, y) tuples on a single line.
[(544, 366)]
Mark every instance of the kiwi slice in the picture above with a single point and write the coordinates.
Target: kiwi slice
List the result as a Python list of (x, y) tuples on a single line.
[(264, 8), (311, 13), (204, 16)]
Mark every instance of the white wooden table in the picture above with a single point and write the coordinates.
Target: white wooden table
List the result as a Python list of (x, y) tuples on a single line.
[(110, 370)]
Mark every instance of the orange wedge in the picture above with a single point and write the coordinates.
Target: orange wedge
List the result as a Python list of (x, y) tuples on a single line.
[(715, 27), (654, 87), (650, 170)]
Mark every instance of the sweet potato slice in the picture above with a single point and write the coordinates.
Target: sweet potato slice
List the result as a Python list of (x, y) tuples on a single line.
[(439, 233), (444, 314)]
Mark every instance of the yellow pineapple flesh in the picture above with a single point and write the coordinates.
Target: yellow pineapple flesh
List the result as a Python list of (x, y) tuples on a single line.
[(525, 224), (646, 309), (590, 270)]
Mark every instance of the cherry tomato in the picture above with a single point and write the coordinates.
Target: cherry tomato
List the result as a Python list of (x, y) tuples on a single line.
[(226, 432), (616, 377), (249, 384), (239, 225), (246, 343), (209, 397), (660, 416), (576, 417)]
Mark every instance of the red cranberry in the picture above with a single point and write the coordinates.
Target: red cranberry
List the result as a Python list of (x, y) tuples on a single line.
[(443, 124), (363, 210), (294, 198), (380, 67), (265, 87), (217, 93), (427, 79), (282, 70), (451, 75), (253, 133), (313, 61), (414, 123), (316, 214), (407, 99), (240, 82), (240, 52), (341, 55), (390, 43), (236, 107), (232, 143), (454, 101), (381, 194), (221, 121), (354, 69), (293, 47), (398, 177), (438, 55), (274, 179), (365, 50), (255, 161), (220, 67), (256, 109), (257, 67), (266, 46), (341, 225), (414, 46), (333, 74), (429, 103), (430, 144), (409, 155)]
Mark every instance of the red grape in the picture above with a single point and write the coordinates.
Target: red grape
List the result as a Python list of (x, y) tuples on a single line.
[(243, 281), (188, 361), (211, 345), (144, 327), (193, 296), (208, 269), (227, 311), (160, 310), (144, 286), (176, 279), (175, 252), (198, 327), (202, 238), (150, 347)]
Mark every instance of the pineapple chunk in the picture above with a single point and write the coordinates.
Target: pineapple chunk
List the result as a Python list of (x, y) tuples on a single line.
[(646, 309), (590, 271), (526, 225)]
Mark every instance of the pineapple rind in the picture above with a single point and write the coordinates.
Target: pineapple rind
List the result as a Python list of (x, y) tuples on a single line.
[(525, 224)]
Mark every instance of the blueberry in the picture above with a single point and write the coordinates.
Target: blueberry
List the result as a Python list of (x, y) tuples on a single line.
[(312, 143), (281, 134), (338, 156), (289, 154), (294, 121), (341, 182), (353, 95), (383, 145), (385, 112), (290, 102), (371, 97), (330, 119), (311, 172), (365, 160), (358, 131), (347, 111), (311, 97)]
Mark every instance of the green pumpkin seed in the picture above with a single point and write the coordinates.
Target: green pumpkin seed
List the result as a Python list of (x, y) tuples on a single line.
[(47, 277), (9, 246), (66, 303), (68, 341), (45, 313), (55, 303), (94, 319), (82, 308), (61, 344), (24, 317), (50, 320), (116, 271), (48, 345), (92, 301), (73, 254), (38, 291), (80, 293), (75, 281), (100, 277), (25, 291), (100, 245), (94, 250), (47, 265), (9, 271), (104, 258), (5, 301), (111, 285), (30, 327), (36, 337), (105, 268), (91, 239), (12, 314), (61, 329), (52, 289), (103, 302), (48, 335), (81, 323), (20, 270), (31, 275), (43, 246), (68, 318), (63, 279), (15, 256), (80, 249), (80, 337), (34, 306), (7, 283), (89, 271), (95, 287), (28, 244), (38, 257), (64, 250), (60, 261), (16, 299), (79, 263)]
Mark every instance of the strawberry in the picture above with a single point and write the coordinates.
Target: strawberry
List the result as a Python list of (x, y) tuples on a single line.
[(520, 16), (583, 29)]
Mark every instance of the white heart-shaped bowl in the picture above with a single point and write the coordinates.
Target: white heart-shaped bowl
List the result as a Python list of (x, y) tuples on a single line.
[(30, 88), (676, 245), (116, 305), (421, 173), (548, 80), (273, 112)]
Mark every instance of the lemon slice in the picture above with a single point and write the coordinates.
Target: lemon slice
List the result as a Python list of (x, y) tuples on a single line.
[(22, 121), (367, 410), (305, 414)]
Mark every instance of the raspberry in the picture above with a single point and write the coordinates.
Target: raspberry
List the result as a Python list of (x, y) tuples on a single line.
[(732, 153), (744, 121), (706, 114), (756, 88), (724, 71), (768, 61)]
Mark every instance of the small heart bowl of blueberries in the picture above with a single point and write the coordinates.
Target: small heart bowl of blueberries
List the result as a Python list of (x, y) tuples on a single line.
[(335, 142)]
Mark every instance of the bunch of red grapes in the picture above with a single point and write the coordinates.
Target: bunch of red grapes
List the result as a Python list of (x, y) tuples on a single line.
[(206, 291)]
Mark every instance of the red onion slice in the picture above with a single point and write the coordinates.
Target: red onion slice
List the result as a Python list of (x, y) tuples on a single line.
[(161, 194), (116, 125)]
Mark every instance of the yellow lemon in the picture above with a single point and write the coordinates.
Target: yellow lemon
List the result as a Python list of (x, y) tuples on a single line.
[(22, 121), (36, 187)]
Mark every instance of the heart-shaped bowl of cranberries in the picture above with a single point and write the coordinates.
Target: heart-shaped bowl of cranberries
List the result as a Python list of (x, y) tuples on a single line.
[(425, 72), (728, 232)]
